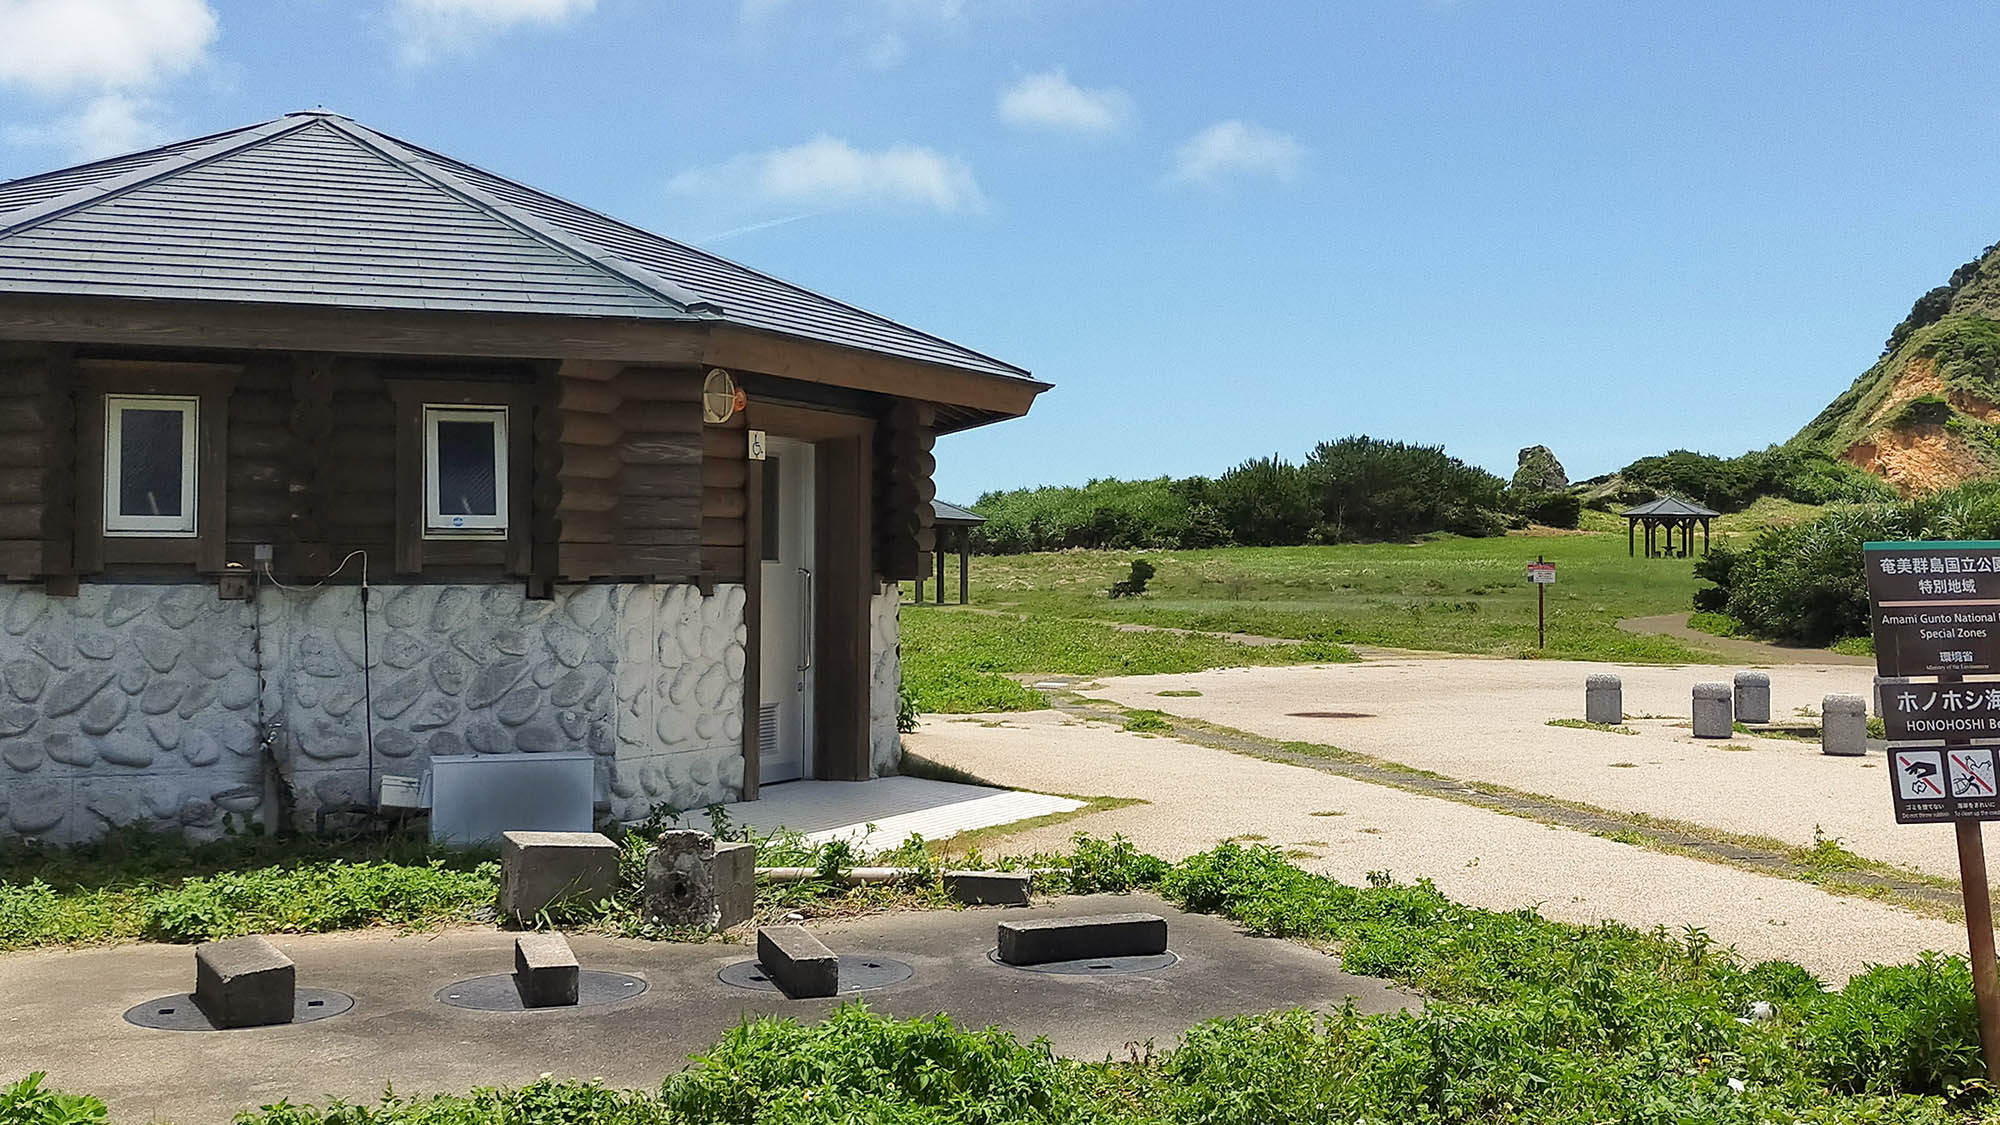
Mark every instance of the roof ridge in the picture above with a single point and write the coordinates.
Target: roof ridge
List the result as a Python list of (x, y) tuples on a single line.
[(730, 262), (224, 144), (415, 161)]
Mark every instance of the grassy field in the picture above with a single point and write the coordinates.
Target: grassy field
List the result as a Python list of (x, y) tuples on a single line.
[(1443, 595), (1050, 614)]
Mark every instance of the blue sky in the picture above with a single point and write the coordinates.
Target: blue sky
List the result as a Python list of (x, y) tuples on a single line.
[(1220, 230)]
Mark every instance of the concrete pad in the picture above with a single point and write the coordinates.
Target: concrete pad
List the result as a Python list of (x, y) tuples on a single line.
[(1486, 720), (540, 868), (243, 982), (545, 970), (1196, 797), (880, 814), (64, 1010), (1038, 941), (798, 963), (988, 888)]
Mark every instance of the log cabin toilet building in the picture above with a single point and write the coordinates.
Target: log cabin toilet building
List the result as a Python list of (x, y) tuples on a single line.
[(322, 455)]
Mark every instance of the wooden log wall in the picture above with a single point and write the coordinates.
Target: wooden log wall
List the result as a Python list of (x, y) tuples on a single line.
[(37, 439), (358, 496), (725, 501), (629, 470), (904, 489), (262, 449)]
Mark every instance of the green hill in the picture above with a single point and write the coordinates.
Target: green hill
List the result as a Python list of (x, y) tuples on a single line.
[(1924, 416)]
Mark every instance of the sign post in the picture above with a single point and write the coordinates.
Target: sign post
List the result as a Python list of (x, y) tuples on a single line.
[(1543, 575), (1935, 610)]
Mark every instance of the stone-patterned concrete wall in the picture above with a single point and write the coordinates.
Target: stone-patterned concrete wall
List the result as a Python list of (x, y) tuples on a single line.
[(885, 743), (141, 702)]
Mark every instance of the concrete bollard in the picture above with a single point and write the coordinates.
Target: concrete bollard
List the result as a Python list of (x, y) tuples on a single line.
[(1843, 726), (1753, 697), (797, 962), (1886, 688), (1713, 716), (1041, 940), (1603, 699)]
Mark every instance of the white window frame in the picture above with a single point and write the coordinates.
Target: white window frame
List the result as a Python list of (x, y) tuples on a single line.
[(439, 525), (182, 526)]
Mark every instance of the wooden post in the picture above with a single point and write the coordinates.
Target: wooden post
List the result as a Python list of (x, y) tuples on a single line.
[(1541, 612), (1978, 923), (939, 555), (964, 565)]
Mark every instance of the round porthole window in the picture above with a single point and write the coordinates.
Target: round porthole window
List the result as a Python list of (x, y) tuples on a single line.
[(721, 398)]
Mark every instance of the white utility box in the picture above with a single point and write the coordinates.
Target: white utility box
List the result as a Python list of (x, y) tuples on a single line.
[(476, 797)]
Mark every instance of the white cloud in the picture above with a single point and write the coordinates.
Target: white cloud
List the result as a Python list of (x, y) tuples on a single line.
[(431, 29), (105, 126), (1052, 101), (828, 172), (61, 46), (1232, 147), (888, 52)]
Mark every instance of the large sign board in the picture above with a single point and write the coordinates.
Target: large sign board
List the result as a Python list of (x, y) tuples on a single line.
[(1935, 784), (1919, 712), (1935, 607)]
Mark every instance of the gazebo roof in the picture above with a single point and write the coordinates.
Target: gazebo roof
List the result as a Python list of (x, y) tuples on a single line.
[(1669, 507), (951, 515)]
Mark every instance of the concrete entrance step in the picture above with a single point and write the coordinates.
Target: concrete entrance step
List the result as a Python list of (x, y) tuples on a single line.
[(876, 815)]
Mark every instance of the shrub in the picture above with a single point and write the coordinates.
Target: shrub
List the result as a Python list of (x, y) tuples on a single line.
[(1266, 502), (1925, 410), (28, 1102), (1805, 582), (1374, 489), (1730, 484), (1550, 509), (1909, 1028)]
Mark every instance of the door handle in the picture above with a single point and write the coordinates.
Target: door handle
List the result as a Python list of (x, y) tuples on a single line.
[(806, 619)]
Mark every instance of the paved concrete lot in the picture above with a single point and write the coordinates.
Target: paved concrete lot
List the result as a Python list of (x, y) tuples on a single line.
[(1486, 720), (65, 1009), (1198, 796)]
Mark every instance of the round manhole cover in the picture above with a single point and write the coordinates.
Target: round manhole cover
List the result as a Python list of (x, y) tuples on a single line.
[(859, 973), (1097, 966), (181, 1013), (497, 993)]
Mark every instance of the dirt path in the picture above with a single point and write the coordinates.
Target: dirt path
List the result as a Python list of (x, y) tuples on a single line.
[(1196, 796), (1735, 648)]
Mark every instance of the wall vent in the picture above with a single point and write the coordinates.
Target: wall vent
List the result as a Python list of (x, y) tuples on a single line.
[(767, 729)]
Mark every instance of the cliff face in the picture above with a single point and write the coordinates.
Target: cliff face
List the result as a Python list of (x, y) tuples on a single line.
[(1927, 414)]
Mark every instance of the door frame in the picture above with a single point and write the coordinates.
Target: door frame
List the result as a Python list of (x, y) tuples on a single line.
[(844, 588)]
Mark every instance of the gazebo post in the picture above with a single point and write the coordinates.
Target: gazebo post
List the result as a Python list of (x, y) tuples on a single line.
[(964, 565), (1704, 536), (940, 575), (1631, 528)]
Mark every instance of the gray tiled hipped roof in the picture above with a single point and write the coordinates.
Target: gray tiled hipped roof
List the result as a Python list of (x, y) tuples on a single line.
[(1670, 506), (315, 209)]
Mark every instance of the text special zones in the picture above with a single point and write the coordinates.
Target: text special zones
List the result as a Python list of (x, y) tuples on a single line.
[(1957, 625)]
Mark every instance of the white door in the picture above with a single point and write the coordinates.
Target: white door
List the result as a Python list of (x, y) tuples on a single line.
[(785, 711)]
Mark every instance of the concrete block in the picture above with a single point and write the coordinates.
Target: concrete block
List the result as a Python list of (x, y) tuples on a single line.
[(988, 888), (545, 970), (1843, 725), (680, 881), (541, 868), (797, 962), (1713, 713), (244, 982), (1753, 697), (1603, 699), (735, 868), (1040, 940)]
